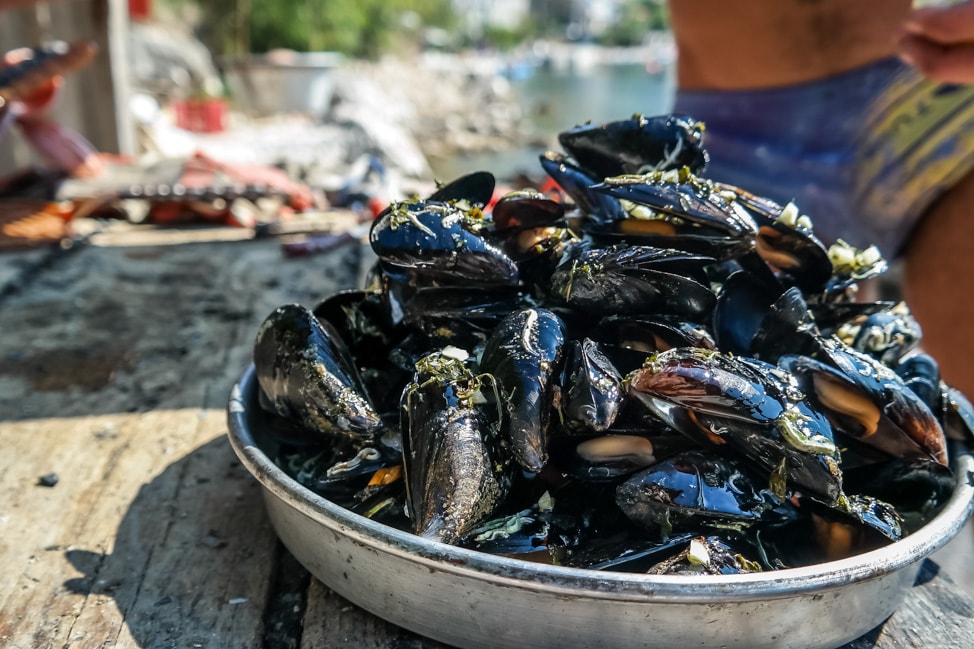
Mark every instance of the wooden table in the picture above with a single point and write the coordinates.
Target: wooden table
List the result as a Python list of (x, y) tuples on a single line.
[(116, 363)]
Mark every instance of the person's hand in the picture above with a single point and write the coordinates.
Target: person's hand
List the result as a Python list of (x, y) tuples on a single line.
[(939, 42)]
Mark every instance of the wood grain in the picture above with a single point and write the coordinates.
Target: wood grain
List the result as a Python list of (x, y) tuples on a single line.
[(115, 367)]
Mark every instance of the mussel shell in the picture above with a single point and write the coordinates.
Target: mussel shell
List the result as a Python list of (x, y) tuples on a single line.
[(694, 490), (637, 144), (710, 382), (578, 184), (438, 240), (634, 280), (865, 399), (917, 489), (523, 353), (456, 467), (476, 188), (463, 313), (958, 415), (307, 373), (753, 318), (921, 373), (590, 394), (687, 199), (525, 209), (654, 334)]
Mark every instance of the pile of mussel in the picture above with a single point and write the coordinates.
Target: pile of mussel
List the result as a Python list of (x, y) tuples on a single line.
[(643, 370)]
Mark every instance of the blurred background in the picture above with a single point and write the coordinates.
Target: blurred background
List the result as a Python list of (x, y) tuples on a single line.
[(425, 88)]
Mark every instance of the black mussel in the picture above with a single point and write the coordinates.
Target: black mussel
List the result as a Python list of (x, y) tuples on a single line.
[(637, 145), (676, 210), (817, 532), (653, 334), (538, 252), (590, 392), (917, 489), (457, 469), (307, 373), (476, 189), (442, 241), (754, 319), (746, 405), (706, 555), (683, 201), (867, 401), (886, 335), (958, 415), (785, 241), (526, 209), (921, 373), (460, 316), (577, 183), (694, 490), (833, 316), (363, 321), (636, 280), (523, 354), (707, 381)]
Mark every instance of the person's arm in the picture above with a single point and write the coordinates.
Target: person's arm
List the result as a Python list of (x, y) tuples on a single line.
[(939, 41)]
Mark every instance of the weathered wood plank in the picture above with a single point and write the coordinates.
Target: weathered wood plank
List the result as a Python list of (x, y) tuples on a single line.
[(141, 541), (155, 536)]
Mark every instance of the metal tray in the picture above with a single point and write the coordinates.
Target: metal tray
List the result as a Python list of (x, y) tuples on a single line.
[(474, 600)]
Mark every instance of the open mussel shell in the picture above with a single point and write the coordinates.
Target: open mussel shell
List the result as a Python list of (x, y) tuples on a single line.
[(866, 400), (525, 209), (681, 198), (577, 183), (754, 318)]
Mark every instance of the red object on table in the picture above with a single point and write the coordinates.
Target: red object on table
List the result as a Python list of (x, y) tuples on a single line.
[(200, 115), (140, 9)]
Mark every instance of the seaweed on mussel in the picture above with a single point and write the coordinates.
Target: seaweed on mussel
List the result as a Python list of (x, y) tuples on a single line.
[(441, 240), (457, 465)]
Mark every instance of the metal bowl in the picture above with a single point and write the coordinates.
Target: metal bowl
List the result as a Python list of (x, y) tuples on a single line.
[(474, 600)]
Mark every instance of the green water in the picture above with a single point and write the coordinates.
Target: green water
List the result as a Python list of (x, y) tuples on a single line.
[(554, 101)]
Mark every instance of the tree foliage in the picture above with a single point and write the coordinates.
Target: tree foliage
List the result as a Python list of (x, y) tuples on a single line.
[(360, 28)]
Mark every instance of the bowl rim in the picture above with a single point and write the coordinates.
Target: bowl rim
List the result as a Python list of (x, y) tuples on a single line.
[(600, 584)]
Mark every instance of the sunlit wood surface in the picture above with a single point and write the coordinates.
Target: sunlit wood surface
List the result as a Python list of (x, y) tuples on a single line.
[(115, 366)]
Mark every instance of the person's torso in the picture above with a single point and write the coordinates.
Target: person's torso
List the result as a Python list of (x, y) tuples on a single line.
[(734, 44)]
